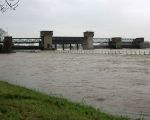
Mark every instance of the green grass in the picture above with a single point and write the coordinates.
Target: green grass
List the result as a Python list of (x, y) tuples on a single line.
[(18, 103)]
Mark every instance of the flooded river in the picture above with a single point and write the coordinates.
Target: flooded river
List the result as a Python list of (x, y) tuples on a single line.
[(115, 83)]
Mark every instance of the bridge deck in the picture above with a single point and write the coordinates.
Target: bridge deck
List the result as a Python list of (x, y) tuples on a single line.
[(68, 40)]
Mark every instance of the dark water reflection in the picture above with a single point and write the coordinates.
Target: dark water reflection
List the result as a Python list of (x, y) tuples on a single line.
[(119, 84)]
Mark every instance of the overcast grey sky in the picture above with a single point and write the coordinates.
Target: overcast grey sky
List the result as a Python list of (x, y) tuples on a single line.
[(107, 18)]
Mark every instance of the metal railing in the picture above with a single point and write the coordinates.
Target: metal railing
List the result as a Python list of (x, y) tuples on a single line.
[(26, 40), (101, 40)]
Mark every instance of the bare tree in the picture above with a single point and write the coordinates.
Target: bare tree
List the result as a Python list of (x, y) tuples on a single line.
[(8, 5), (2, 34)]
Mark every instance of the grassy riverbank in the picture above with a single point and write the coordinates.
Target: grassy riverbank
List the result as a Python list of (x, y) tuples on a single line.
[(18, 103)]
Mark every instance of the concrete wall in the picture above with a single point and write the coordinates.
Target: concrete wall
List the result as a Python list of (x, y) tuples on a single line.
[(88, 40), (47, 37), (8, 42), (116, 43), (138, 43)]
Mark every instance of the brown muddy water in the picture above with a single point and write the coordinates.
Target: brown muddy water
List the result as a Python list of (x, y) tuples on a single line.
[(115, 83)]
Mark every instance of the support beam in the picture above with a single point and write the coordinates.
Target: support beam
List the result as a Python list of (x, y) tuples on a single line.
[(77, 46), (70, 46), (63, 46), (55, 46)]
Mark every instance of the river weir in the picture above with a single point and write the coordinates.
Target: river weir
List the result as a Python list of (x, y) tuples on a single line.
[(115, 81)]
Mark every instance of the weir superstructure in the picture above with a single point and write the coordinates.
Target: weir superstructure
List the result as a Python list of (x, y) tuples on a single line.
[(47, 41)]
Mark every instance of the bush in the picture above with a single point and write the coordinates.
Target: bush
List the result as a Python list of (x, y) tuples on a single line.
[(1, 47)]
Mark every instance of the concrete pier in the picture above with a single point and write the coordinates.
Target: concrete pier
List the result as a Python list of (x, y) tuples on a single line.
[(138, 43), (47, 38), (115, 43), (88, 40), (8, 42)]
